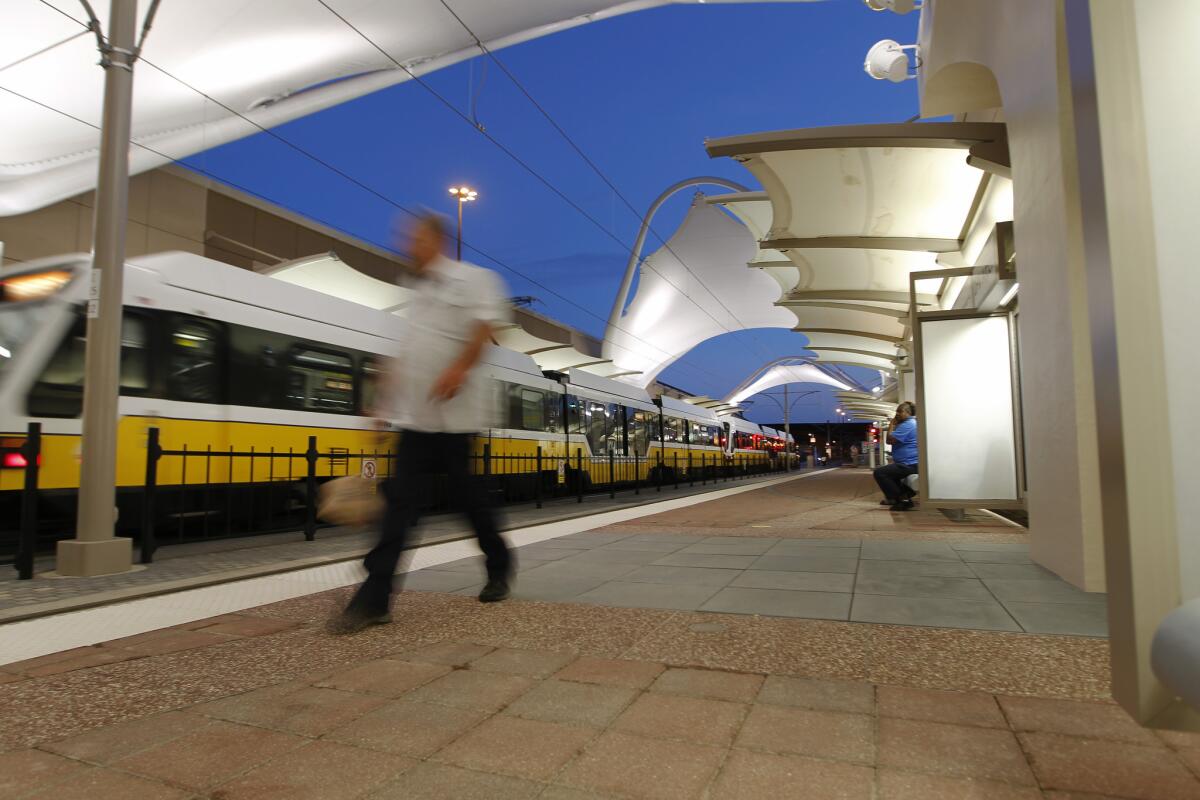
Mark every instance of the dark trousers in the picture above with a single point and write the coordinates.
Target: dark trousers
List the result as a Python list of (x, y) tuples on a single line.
[(889, 479), (418, 455)]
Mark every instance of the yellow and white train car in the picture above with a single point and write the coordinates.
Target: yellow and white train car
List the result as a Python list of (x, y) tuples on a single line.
[(222, 359)]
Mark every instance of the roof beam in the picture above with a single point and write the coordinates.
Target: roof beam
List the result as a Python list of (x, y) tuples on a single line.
[(849, 332), (866, 309), (953, 135), (911, 243), (868, 295), (870, 353)]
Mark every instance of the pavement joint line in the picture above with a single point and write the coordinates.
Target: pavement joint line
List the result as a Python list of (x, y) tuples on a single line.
[(119, 617)]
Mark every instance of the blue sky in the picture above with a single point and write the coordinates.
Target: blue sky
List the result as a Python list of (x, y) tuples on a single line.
[(638, 94)]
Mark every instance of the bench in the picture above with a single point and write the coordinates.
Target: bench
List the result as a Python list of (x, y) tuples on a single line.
[(913, 483)]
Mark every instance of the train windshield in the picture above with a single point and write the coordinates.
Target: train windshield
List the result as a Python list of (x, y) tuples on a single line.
[(18, 325), (23, 311)]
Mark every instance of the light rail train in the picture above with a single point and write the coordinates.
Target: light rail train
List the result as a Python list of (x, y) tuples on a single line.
[(220, 358)]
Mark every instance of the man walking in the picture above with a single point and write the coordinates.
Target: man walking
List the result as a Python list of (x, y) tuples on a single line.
[(902, 436), (437, 397)]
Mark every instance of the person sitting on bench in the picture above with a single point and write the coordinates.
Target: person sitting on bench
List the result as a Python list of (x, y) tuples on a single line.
[(902, 436)]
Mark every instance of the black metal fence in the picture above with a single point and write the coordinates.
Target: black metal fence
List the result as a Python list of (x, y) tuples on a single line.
[(193, 495), (21, 506)]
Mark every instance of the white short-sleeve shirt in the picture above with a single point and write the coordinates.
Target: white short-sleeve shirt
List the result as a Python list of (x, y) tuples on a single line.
[(448, 301)]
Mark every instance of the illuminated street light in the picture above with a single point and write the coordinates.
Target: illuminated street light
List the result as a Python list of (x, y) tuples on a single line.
[(464, 194)]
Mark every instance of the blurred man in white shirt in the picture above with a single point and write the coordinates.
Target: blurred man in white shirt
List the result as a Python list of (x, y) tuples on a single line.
[(438, 398)]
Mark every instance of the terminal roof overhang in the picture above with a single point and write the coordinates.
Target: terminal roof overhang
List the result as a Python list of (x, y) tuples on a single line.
[(853, 210), (271, 60)]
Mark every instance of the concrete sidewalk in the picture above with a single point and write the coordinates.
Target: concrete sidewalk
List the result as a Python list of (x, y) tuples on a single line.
[(192, 565)]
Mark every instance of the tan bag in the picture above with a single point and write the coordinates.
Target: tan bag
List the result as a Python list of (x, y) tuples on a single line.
[(349, 501)]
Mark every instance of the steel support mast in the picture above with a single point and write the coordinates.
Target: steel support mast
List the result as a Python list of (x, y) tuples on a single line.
[(96, 550)]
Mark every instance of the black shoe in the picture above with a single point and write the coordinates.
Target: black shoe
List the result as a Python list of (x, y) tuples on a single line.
[(495, 591), (352, 622), (887, 502), (903, 505)]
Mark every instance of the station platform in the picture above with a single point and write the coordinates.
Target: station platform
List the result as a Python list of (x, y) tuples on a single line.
[(780, 640), (192, 564)]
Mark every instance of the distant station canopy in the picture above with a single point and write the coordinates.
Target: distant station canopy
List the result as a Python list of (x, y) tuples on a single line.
[(206, 65)]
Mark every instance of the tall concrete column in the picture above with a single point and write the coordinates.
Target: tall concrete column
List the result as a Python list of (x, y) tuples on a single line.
[(95, 550)]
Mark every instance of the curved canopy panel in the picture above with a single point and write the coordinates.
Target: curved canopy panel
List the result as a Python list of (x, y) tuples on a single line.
[(834, 356), (857, 210), (754, 211), (694, 288), (779, 374), (272, 60)]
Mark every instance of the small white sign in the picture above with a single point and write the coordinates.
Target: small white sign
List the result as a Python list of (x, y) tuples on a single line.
[(368, 469), (562, 472), (93, 303)]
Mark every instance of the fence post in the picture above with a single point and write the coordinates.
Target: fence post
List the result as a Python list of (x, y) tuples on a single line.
[(538, 482), (612, 476), (691, 472), (32, 451), (579, 473), (676, 456), (658, 477), (149, 538), (637, 474), (310, 484), (487, 459)]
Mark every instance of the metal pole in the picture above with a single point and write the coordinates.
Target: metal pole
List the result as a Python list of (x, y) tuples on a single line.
[(153, 453), (310, 489), (614, 316), (460, 205), (95, 550), (27, 545), (538, 483), (787, 448)]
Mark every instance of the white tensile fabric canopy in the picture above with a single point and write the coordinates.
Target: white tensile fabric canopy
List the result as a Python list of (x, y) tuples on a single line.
[(271, 60), (692, 289), (780, 374), (855, 211)]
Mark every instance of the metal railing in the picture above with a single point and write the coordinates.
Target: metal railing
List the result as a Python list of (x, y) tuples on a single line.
[(192, 495)]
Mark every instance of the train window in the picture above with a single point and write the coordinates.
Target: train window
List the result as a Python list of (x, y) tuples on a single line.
[(372, 375), (526, 408), (639, 431), (671, 429), (554, 421), (596, 415), (321, 380), (59, 390), (576, 415), (194, 361)]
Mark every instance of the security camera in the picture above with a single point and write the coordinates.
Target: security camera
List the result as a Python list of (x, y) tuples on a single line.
[(887, 60), (895, 6)]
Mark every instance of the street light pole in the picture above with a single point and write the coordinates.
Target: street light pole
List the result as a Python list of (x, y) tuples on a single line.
[(464, 195), (95, 550), (459, 236)]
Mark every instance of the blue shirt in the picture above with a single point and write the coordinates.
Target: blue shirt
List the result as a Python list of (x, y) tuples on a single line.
[(904, 445)]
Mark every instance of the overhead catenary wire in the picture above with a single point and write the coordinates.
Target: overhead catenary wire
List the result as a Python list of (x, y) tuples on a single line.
[(394, 204), (336, 170), (484, 49), (379, 195), (510, 153)]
